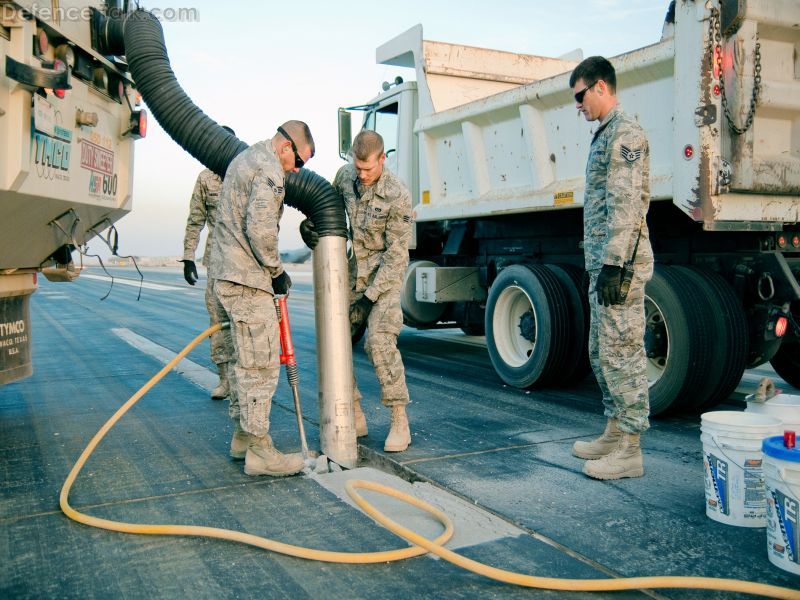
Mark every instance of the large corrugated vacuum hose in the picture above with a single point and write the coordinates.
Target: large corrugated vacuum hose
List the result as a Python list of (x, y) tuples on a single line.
[(140, 37)]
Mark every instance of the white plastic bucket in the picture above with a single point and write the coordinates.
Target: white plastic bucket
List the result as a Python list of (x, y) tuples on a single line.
[(782, 486), (785, 407), (732, 460)]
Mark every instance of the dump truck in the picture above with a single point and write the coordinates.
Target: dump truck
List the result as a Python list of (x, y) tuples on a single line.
[(68, 120), (494, 152)]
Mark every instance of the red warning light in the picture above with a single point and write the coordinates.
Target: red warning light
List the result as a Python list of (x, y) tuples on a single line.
[(717, 61), (796, 241), (717, 89), (60, 66), (688, 152), (781, 241), (781, 325), (143, 123), (43, 41)]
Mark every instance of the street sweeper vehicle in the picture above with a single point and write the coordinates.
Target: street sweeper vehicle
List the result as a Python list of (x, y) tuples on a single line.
[(68, 120)]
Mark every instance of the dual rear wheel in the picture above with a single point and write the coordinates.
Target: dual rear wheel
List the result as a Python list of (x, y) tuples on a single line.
[(537, 326)]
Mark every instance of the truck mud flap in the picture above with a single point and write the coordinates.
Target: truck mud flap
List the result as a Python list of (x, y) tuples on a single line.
[(15, 338)]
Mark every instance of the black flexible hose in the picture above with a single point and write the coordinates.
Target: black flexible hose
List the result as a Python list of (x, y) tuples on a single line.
[(139, 36), (313, 196)]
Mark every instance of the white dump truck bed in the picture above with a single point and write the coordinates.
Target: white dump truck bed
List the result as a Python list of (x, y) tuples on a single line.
[(499, 133)]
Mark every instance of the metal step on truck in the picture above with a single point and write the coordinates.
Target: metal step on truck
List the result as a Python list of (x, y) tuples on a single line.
[(494, 151), (68, 118)]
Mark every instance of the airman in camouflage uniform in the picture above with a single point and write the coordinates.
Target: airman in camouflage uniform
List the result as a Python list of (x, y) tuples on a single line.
[(379, 210), (247, 268), (616, 200), (202, 213)]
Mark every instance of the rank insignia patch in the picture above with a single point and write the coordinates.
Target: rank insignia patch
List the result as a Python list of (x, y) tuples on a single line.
[(630, 155)]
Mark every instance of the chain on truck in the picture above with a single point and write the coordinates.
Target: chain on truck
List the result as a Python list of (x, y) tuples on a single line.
[(68, 118), (492, 147)]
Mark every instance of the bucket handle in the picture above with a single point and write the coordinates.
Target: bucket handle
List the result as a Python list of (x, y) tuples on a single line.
[(722, 447), (782, 476)]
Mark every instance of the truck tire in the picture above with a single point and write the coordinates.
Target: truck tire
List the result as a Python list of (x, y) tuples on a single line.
[(471, 317), (418, 314), (729, 337), (576, 361), (474, 329), (787, 362), (526, 325), (676, 340), (580, 282)]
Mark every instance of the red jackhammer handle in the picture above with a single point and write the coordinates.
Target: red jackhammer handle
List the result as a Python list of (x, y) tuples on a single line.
[(287, 347)]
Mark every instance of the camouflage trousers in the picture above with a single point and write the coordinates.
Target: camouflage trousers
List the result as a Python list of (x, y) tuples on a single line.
[(383, 326), (616, 352), (221, 343), (256, 360)]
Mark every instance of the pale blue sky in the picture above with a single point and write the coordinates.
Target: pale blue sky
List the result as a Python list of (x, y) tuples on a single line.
[(254, 64)]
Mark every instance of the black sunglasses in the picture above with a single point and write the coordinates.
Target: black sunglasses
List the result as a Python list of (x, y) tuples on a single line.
[(298, 162), (579, 96)]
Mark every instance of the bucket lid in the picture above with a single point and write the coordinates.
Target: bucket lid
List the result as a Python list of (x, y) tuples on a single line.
[(746, 420), (783, 400), (773, 446)]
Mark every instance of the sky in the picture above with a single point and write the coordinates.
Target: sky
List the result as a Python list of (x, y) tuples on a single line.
[(254, 64)]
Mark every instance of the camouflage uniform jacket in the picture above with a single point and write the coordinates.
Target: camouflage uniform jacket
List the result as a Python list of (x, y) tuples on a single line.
[(617, 193), (245, 245), (202, 211), (380, 223)]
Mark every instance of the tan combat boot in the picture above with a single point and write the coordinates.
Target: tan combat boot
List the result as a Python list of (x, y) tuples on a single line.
[(222, 390), (263, 458), (624, 461), (399, 434), (240, 441), (361, 420), (600, 446)]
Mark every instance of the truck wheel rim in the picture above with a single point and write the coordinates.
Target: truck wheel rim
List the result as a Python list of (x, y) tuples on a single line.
[(512, 308), (656, 341)]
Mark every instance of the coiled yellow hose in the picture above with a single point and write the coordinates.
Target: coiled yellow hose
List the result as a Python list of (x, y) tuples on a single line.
[(421, 546)]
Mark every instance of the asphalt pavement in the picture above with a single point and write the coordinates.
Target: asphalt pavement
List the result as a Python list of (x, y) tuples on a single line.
[(496, 456)]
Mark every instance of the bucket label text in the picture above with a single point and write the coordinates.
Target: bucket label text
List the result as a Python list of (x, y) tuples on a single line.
[(786, 508), (718, 473)]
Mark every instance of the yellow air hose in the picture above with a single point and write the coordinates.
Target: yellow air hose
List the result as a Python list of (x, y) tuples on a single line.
[(421, 546)]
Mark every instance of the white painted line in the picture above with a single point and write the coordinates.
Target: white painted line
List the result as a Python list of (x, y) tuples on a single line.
[(472, 525), (195, 373), (135, 283)]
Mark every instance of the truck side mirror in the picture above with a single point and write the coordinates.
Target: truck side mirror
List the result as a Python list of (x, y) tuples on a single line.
[(345, 133)]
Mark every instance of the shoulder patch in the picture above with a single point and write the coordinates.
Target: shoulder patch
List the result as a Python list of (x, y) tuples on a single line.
[(630, 155), (278, 190)]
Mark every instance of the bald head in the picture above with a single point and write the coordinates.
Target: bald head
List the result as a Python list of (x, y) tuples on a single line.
[(300, 134)]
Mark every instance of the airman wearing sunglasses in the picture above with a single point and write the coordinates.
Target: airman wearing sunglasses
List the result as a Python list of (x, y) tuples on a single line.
[(247, 268), (616, 239)]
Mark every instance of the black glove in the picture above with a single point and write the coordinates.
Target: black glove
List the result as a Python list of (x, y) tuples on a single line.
[(281, 284), (308, 233), (359, 311), (189, 272), (608, 285)]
